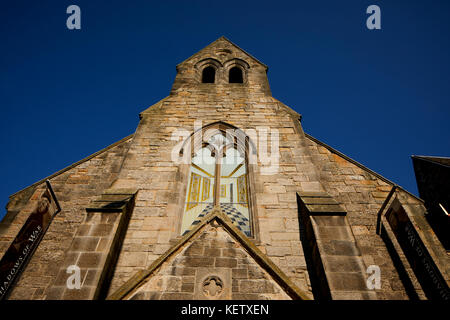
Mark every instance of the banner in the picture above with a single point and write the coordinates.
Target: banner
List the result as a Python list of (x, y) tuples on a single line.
[(22, 248), (422, 263)]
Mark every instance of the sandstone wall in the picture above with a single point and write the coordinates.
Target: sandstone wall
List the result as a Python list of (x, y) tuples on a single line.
[(74, 187), (145, 163), (235, 274)]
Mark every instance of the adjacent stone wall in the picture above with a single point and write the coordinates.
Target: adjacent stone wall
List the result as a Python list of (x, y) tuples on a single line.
[(75, 187), (361, 193)]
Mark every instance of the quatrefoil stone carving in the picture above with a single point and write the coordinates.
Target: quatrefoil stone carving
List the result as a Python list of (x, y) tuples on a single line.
[(212, 286)]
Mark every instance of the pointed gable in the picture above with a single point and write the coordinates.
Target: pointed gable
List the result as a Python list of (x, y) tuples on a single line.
[(213, 262), (222, 49), (221, 64)]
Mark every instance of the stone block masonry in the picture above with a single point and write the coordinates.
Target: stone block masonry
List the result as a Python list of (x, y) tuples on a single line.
[(143, 162)]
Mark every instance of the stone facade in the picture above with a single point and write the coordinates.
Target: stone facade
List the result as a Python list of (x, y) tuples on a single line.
[(75, 188), (212, 263), (301, 237)]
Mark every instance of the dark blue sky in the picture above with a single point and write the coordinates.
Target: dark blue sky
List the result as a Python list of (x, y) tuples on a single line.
[(377, 96)]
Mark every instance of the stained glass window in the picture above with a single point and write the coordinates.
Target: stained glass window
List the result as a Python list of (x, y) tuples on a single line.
[(218, 167)]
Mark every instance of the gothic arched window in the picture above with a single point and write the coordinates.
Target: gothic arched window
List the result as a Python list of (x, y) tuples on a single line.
[(218, 177), (235, 75), (208, 75)]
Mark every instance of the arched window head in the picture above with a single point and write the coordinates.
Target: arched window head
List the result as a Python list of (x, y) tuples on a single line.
[(218, 178), (208, 75), (235, 75)]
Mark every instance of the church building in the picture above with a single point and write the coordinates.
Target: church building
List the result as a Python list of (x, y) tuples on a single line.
[(220, 195)]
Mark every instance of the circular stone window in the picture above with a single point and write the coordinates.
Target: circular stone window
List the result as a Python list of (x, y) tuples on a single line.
[(212, 287)]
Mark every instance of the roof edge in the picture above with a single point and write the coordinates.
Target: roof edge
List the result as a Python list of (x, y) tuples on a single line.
[(157, 104), (73, 165), (429, 157), (232, 43), (379, 176), (432, 159), (288, 109)]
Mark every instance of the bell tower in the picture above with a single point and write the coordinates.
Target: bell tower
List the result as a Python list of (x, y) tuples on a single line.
[(222, 67)]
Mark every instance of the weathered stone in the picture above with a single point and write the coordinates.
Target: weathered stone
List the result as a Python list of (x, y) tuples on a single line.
[(342, 196), (226, 262)]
